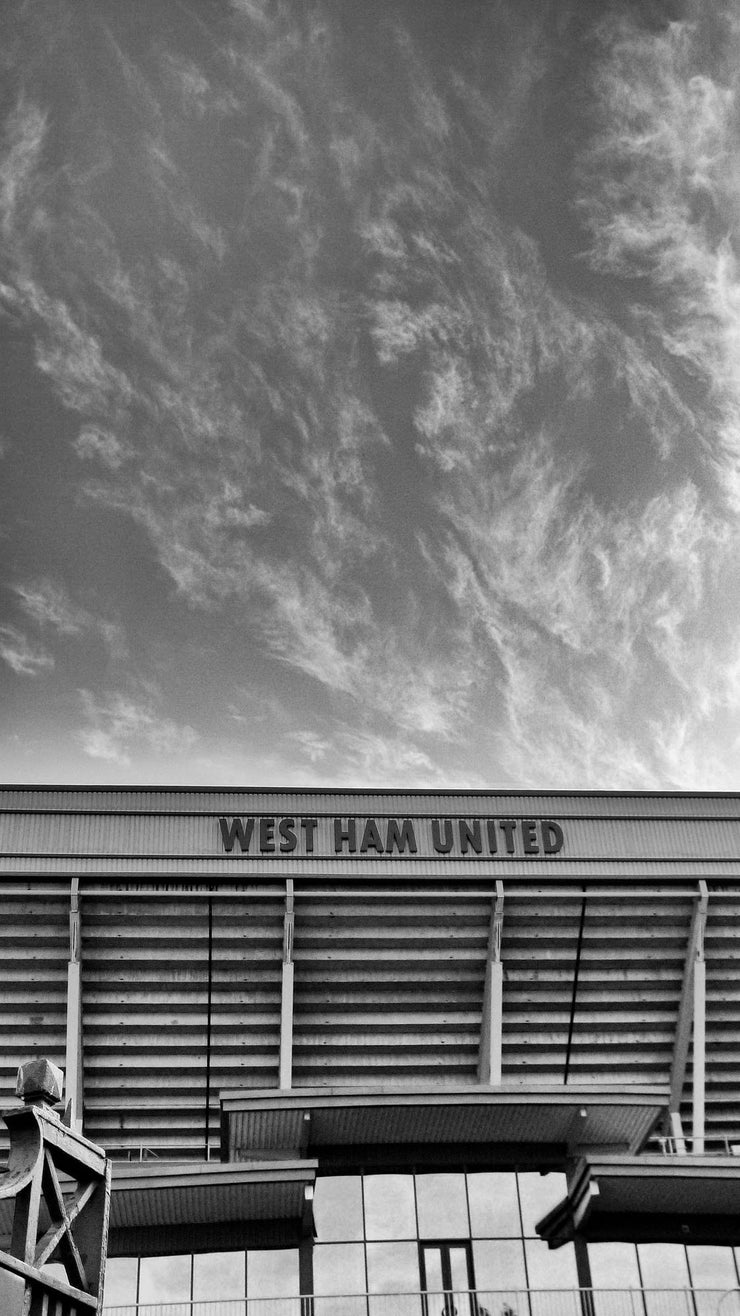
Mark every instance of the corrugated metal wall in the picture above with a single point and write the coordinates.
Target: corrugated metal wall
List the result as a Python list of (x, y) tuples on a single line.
[(34, 953), (388, 984), (181, 997), (181, 984)]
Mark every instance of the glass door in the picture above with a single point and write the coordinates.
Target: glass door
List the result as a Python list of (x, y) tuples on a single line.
[(447, 1279)]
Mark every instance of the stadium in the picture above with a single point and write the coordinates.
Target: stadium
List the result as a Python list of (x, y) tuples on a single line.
[(389, 1053)]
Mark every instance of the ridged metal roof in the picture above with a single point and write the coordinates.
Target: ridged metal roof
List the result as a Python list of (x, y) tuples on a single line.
[(583, 1116), (597, 804), (180, 870), (160, 1195), (606, 1192)]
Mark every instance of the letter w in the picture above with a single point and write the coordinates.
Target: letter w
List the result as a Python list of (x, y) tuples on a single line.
[(236, 831)]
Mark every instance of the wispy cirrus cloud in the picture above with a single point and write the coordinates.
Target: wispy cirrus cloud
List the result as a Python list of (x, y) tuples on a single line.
[(23, 656), (48, 603), (24, 140), (49, 606), (119, 727), (370, 413), (659, 185)]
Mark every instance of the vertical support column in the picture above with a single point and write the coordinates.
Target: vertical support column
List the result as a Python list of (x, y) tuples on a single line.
[(73, 1049), (583, 1270), (691, 1018), (491, 1033), (698, 1044), (286, 998)]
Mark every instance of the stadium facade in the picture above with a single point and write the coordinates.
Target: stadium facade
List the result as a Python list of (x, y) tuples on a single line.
[(390, 1053)]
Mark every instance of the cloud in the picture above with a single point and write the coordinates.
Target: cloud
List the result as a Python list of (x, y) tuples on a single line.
[(23, 656), (49, 605), (73, 357), (373, 417), (93, 443), (121, 728), (24, 138), (659, 187), (364, 758)]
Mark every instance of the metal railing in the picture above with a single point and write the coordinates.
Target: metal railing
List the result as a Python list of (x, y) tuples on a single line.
[(488, 1302), (674, 1145)]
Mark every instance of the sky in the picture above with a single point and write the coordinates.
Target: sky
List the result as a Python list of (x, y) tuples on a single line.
[(371, 393)]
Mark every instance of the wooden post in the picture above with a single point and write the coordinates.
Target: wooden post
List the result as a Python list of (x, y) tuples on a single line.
[(72, 1228)]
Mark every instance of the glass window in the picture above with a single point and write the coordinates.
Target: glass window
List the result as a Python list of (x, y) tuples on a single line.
[(389, 1206), (459, 1269), (393, 1268), (218, 1275), (663, 1266), (337, 1208), (551, 1269), (538, 1194), (338, 1268), (494, 1206), (120, 1280), (442, 1206), (711, 1268), (499, 1264), (614, 1266), (433, 1270), (272, 1273), (164, 1279)]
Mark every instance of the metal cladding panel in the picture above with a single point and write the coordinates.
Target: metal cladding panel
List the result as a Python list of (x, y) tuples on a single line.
[(446, 1124), (193, 843), (597, 804), (604, 1193), (34, 952), (161, 835), (180, 997), (550, 1116), (265, 1130), (172, 873), (196, 1203), (388, 983)]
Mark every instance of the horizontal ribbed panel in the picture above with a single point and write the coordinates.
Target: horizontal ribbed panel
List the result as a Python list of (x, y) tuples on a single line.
[(173, 872), (591, 988), (168, 834), (596, 804), (384, 987), (34, 953), (524, 1116), (179, 1000), (275, 1193)]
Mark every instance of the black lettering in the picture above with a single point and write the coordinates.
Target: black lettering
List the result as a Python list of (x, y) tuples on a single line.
[(267, 835), (371, 838), (552, 837), (529, 836), (309, 826), (508, 827), (236, 831), (470, 836), (288, 839), (442, 846), (491, 830), (403, 838), (346, 837)]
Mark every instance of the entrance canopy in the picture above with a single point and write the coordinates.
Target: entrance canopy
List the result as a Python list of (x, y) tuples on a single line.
[(309, 1119)]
